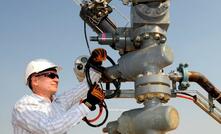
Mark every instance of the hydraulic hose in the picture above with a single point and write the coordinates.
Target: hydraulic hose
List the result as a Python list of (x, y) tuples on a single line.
[(100, 124), (202, 81), (101, 69), (115, 82), (102, 104)]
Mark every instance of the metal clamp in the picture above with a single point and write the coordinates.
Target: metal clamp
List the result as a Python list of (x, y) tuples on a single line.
[(184, 84)]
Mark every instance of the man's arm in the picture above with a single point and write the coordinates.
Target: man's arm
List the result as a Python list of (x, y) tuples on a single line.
[(69, 98), (73, 96), (33, 119)]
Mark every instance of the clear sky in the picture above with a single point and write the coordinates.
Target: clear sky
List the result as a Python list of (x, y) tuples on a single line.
[(52, 29)]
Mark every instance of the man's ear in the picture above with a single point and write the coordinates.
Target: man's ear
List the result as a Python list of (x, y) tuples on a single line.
[(34, 81)]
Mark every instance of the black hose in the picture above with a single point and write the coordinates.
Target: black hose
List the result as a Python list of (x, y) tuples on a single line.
[(115, 82), (105, 119), (85, 36), (101, 69)]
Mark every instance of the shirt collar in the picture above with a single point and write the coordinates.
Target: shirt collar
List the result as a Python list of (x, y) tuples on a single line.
[(40, 98)]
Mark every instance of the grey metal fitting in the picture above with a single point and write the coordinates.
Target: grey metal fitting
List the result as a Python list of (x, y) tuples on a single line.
[(119, 40), (149, 59), (152, 86), (149, 12), (155, 119)]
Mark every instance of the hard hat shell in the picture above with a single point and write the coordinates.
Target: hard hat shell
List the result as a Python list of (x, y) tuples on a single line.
[(38, 65)]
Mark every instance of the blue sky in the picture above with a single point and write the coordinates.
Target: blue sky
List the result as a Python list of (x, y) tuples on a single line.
[(52, 29)]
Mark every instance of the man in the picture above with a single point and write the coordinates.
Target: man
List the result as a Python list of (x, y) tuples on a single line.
[(44, 113)]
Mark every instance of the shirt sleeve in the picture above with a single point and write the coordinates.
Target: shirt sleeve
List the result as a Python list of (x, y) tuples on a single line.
[(33, 119), (73, 96)]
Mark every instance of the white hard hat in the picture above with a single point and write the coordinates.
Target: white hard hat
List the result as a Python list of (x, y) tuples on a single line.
[(38, 65), (79, 67)]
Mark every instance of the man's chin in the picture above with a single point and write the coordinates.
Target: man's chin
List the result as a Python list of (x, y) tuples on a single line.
[(54, 91)]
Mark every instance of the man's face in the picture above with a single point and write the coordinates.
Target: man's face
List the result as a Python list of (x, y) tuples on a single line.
[(47, 82)]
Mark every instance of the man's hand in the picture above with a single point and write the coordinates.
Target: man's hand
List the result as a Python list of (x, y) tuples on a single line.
[(98, 55), (95, 95)]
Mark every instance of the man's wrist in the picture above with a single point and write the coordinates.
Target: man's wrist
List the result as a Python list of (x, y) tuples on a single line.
[(88, 104), (91, 106)]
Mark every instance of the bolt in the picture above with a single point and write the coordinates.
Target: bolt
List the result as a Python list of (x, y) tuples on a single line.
[(157, 36), (181, 66), (140, 98), (188, 84), (161, 96), (186, 65), (149, 96), (165, 6), (138, 39), (163, 40), (100, 13), (167, 98), (146, 36), (140, 75)]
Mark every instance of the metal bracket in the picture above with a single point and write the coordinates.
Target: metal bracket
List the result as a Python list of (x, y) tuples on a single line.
[(211, 104), (184, 84), (206, 104)]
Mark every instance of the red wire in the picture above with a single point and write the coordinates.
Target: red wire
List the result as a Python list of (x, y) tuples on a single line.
[(101, 108), (98, 116), (185, 97)]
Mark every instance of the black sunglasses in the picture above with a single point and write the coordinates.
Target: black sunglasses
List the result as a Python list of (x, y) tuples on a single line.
[(49, 75)]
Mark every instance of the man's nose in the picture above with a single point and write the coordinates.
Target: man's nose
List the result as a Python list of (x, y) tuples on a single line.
[(56, 79)]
